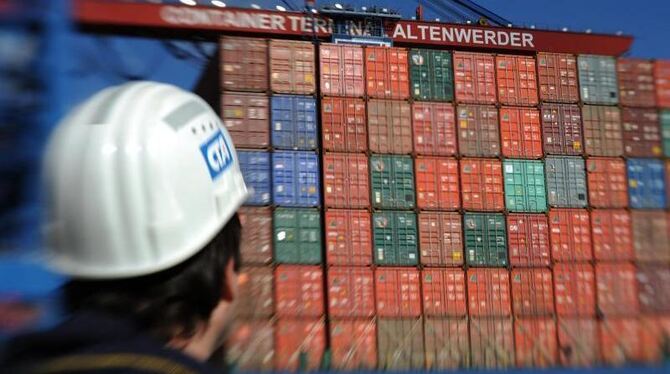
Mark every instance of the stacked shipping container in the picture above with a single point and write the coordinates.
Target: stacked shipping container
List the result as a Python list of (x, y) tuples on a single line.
[(451, 209)]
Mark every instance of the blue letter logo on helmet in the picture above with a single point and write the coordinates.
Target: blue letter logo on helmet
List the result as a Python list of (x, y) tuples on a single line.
[(217, 154)]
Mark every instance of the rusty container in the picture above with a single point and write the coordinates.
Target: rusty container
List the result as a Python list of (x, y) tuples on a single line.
[(557, 77), (346, 180), (247, 118), (351, 292), (343, 125), (641, 132), (437, 186), (353, 344), (447, 343), (636, 82), (440, 239), (434, 128), (612, 235), (520, 132), (389, 127), (535, 341), (528, 240), (575, 290), (443, 292), (387, 72), (516, 80), (299, 344), (602, 131), (348, 237), (244, 64), (478, 131), (653, 283), (562, 129), (474, 78), (292, 67), (342, 70), (255, 286), (256, 242), (651, 236)]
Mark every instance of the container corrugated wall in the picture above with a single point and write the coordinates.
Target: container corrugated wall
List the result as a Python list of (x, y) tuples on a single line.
[(431, 75), (598, 79)]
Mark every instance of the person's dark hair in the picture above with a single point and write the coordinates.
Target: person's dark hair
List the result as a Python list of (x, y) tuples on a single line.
[(170, 302)]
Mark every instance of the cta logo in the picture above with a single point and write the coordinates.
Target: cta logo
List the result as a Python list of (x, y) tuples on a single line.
[(217, 154)]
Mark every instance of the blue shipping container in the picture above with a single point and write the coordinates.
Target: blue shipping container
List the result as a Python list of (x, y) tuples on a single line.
[(256, 171), (294, 122), (646, 184), (295, 178)]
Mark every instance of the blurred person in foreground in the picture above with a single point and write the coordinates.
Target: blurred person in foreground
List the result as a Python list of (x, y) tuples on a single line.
[(142, 186)]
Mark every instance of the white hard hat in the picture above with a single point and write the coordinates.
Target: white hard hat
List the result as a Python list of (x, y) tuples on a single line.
[(137, 179)]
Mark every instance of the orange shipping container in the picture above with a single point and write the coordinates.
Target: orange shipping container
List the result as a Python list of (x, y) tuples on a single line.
[(351, 292), (532, 292), (520, 132), (617, 289), (247, 118), (651, 236), (662, 80), (292, 67), (492, 343), (489, 292), (612, 235), (620, 342), (557, 75), (474, 78), (244, 64), (535, 341), (570, 235), (482, 184), (447, 343), (343, 124), (387, 72), (528, 240), (256, 242), (578, 342), (298, 291), (353, 344), (299, 344), (398, 292), (562, 129), (443, 292), (255, 290), (434, 129), (516, 80), (345, 180), (348, 237), (607, 182), (440, 239), (342, 70), (575, 290), (250, 346), (636, 82), (389, 127), (655, 336), (437, 183)]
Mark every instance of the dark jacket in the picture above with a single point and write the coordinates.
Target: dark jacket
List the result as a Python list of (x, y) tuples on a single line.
[(91, 342)]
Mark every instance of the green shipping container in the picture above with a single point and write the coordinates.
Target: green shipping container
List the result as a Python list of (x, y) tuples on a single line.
[(485, 239), (431, 75), (524, 186), (297, 236), (665, 131), (395, 238), (392, 182)]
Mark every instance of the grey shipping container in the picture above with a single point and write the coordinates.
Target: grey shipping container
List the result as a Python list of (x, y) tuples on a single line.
[(395, 238), (566, 181), (400, 344), (431, 75), (524, 186), (485, 239), (598, 79)]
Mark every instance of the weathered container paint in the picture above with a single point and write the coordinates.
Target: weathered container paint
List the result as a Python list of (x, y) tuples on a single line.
[(292, 67), (293, 122), (653, 288), (516, 78), (557, 77), (598, 79), (434, 129), (492, 343), (636, 82), (298, 291), (478, 131), (343, 125), (440, 239), (348, 237), (255, 292), (247, 118), (651, 236), (616, 287), (256, 242), (602, 131), (437, 186), (244, 64), (578, 344), (566, 181), (520, 132), (641, 132), (342, 70), (562, 129), (575, 290), (351, 292), (400, 344), (389, 127), (346, 180), (447, 343), (535, 342), (528, 240), (474, 78), (250, 345)]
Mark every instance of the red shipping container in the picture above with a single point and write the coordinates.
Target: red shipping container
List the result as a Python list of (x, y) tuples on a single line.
[(662, 80), (440, 239), (443, 292), (353, 344), (557, 76), (342, 70), (620, 342), (398, 292), (520, 132), (612, 235), (247, 118), (535, 341), (602, 131), (528, 240), (617, 289), (492, 343), (532, 292), (292, 67), (482, 184), (345, 180), (607, 182), (575, 290), (256, 242), (447, 343), (641, 132), (297, 340), (255, 290), (653, 281), (298, 291), (389, 127), (343, 124), (562, 129), (489, 292), (244, 64), (474, 78), (636, 82), (578, 342), (351, 292), (570, 235), (437, 183), (517, 80), (651, 236), (387, 72), (667, 180), (250, 346), (478, 131), (434, 127), (654, 336), (348, 237)]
